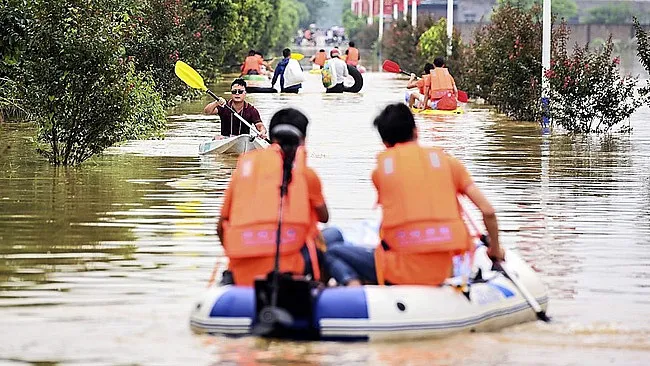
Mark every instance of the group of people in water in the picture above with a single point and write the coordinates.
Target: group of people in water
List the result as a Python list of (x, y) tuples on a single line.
[(418, 188), (436, 89)]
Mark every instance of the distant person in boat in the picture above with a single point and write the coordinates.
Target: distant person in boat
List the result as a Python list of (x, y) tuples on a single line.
[(352, 55), (339, 71), (441, 93), (266, 66), (319, 58), (253, 64), (422, 228), (289, 72), (231, 125), (416, 98), (249, 215)]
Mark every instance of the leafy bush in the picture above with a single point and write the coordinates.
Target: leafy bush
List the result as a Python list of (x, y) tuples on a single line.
[(504, 62), (587, 93), (433, 43), (401, 43), (83, 98), (643, 50)]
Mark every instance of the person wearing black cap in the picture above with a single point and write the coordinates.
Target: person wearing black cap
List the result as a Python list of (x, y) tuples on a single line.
[(339, 71)]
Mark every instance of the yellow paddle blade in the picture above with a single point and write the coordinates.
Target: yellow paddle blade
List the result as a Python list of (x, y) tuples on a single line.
[(297, 56), (189, 75)]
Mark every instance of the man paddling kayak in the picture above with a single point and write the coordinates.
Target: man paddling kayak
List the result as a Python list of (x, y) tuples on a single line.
[(416, 98), (231, 125)]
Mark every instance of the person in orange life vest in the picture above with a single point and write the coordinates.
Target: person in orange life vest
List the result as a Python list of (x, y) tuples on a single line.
[(441, 92), (418, 96), (249, 215), (231, 125), (253, 64), (422, 228), (266, 67), (352, 55), (319, 58)]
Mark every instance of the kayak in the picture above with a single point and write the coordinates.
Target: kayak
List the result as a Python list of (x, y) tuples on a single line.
[(315, 71), (232, 145), (433, 112), (367, 313)]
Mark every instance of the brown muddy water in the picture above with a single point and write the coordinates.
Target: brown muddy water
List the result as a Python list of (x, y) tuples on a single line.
[(101, 264)]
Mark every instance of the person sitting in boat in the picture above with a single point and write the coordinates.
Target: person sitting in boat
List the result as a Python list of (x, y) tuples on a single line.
[(416, 98), (266, 66), (442, 93), (289, 72), (249, 215), (319, 58), (339, 71), (352, 56), (231, 125), (422, 228), (253, 64)]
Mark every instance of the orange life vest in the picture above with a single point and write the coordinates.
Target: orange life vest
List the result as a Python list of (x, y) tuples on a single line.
[(442, 83), (250, 232), (423, 82), (422, 227), (251, 63), (320, 58), (353, 56)]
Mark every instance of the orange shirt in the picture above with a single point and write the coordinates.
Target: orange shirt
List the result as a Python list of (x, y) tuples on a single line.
[(405, 265)]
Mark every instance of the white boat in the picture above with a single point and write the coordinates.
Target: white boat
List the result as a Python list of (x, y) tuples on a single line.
[(491, 302), (232, 145)]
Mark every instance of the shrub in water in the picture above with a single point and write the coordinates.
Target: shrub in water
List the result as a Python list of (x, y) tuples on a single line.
[(83, 94), (587, 93)]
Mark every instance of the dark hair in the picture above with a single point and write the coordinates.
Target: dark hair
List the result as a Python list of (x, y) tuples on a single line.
[(321, 50), (395, 124), (291, 117), (351, 44), (439, 62), (259, 53), (251, 53), (286, 52), (428, 67), (238, 81)]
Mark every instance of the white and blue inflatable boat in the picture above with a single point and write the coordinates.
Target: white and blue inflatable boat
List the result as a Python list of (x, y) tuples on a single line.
[(490, 302)]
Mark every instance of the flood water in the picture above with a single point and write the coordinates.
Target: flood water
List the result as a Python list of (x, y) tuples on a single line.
[(101, 264)]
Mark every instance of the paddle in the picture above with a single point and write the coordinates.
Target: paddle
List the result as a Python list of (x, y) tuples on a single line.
[(503, 267), (392, 66), (194, 80)]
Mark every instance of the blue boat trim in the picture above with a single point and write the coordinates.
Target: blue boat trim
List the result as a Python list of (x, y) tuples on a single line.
[(356, 328)]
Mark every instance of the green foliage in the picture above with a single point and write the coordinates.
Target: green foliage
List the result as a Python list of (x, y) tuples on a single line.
[(358, 29), (314, 9), (587, 92), (401, 44), (566, 9), (619, 13), (503, 63), (83, 98), (433, 43), (13, 28)]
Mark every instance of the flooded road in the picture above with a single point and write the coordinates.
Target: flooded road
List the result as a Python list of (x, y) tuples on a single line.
[(100, 264)]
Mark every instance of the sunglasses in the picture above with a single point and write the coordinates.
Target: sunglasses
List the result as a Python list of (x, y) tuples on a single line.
[(238, 91)]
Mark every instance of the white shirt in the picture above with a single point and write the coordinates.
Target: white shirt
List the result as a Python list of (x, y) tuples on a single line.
[(339, 70)]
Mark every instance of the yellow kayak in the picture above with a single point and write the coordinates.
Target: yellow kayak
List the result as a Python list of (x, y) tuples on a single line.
[(434, 112), (315, 71)]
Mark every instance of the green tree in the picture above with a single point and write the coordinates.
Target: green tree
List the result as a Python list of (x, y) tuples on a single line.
[(566, 9), (82, 92), (315, 8), (619, 13)]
